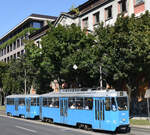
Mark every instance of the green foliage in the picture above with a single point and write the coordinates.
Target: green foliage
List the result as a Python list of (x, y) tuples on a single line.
[(3, 68), (62, 48), (123, 50), (13, 78), (75, 10), (14, 38)]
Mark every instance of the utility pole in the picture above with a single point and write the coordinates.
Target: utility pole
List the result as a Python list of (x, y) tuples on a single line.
[(25, 82), (100, 77), (148, 109)]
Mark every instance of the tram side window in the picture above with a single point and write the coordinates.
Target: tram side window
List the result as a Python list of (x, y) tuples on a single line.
[(88, 103), (122, 103), (72, 103), (113, 104), (49, 102), (33, 101), (10, 101), (107, 103), (56, 102), (79, 103), (21, 101), (44, 101)]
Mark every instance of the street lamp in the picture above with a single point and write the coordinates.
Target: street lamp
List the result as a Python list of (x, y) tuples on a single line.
[(25, 82), (75, 67), (100, 77)]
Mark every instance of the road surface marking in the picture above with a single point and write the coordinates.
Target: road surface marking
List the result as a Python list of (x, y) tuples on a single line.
[(26, 129)]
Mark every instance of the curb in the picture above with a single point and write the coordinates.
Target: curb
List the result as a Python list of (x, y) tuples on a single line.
[(140, 126)]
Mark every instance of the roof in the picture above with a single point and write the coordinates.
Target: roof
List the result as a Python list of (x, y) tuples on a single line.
[(64, 14), (29, 18), (89, 93), (43, 16), (22, 96), (90, 5)]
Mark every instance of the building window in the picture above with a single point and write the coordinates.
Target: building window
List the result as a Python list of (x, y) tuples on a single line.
[(14, 45), (18, 43), (108, 13), (7, 49), (22, 41), (122, 6), (22, 52), (4, 51), (85, 23), (138, 2), (96, 18), (26, 36), (11, 47), (38, 44), (11, 57), (18, 54), (5, 60), (36, 25), (14, 56)]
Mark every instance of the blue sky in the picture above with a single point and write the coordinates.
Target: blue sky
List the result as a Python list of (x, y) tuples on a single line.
[(12, 12)]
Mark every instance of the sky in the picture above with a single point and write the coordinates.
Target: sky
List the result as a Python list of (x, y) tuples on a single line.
[(12, 12)]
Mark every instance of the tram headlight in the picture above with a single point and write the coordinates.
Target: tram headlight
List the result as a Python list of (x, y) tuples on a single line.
[(123, 119)]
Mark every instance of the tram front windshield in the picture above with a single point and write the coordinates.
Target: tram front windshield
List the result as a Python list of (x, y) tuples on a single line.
[(122, 103)]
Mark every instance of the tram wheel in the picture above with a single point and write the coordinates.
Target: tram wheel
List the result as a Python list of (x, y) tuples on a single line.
[(80, 126), (87, 127), (22, 116), (8, 114), (44, 120), (50, 121)]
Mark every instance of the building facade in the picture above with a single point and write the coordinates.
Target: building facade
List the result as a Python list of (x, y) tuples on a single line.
[(93, 12), (12, 45)]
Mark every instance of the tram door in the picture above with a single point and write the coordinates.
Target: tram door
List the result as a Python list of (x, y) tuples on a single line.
[(28, 107), (16, 106), (40, 106), (63, 110), (99, 113)]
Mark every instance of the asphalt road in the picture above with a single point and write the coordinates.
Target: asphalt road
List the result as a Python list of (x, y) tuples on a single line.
[(17, 126)]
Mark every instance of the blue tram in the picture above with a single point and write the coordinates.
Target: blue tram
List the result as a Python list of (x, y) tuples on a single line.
[(102, 110), (26, 106)]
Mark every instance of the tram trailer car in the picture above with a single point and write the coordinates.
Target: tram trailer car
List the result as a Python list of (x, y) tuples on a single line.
[(26, 106), (102, 110)]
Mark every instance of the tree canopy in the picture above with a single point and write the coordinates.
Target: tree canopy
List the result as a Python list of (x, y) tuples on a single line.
[(122, 50)]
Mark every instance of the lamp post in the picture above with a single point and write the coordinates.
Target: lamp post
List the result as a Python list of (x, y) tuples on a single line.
[(75, 67), (25, 82), (100, 77)]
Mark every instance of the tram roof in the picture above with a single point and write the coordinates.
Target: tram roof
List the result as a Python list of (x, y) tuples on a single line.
[(22, 96), (88, 93)]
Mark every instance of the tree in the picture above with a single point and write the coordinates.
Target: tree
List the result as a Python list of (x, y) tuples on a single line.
[(62, 48), (39, 76), (124, 51), (12, 79)]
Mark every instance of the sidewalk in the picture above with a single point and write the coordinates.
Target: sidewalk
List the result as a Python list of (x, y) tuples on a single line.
[(2, 112), (138, 125)]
